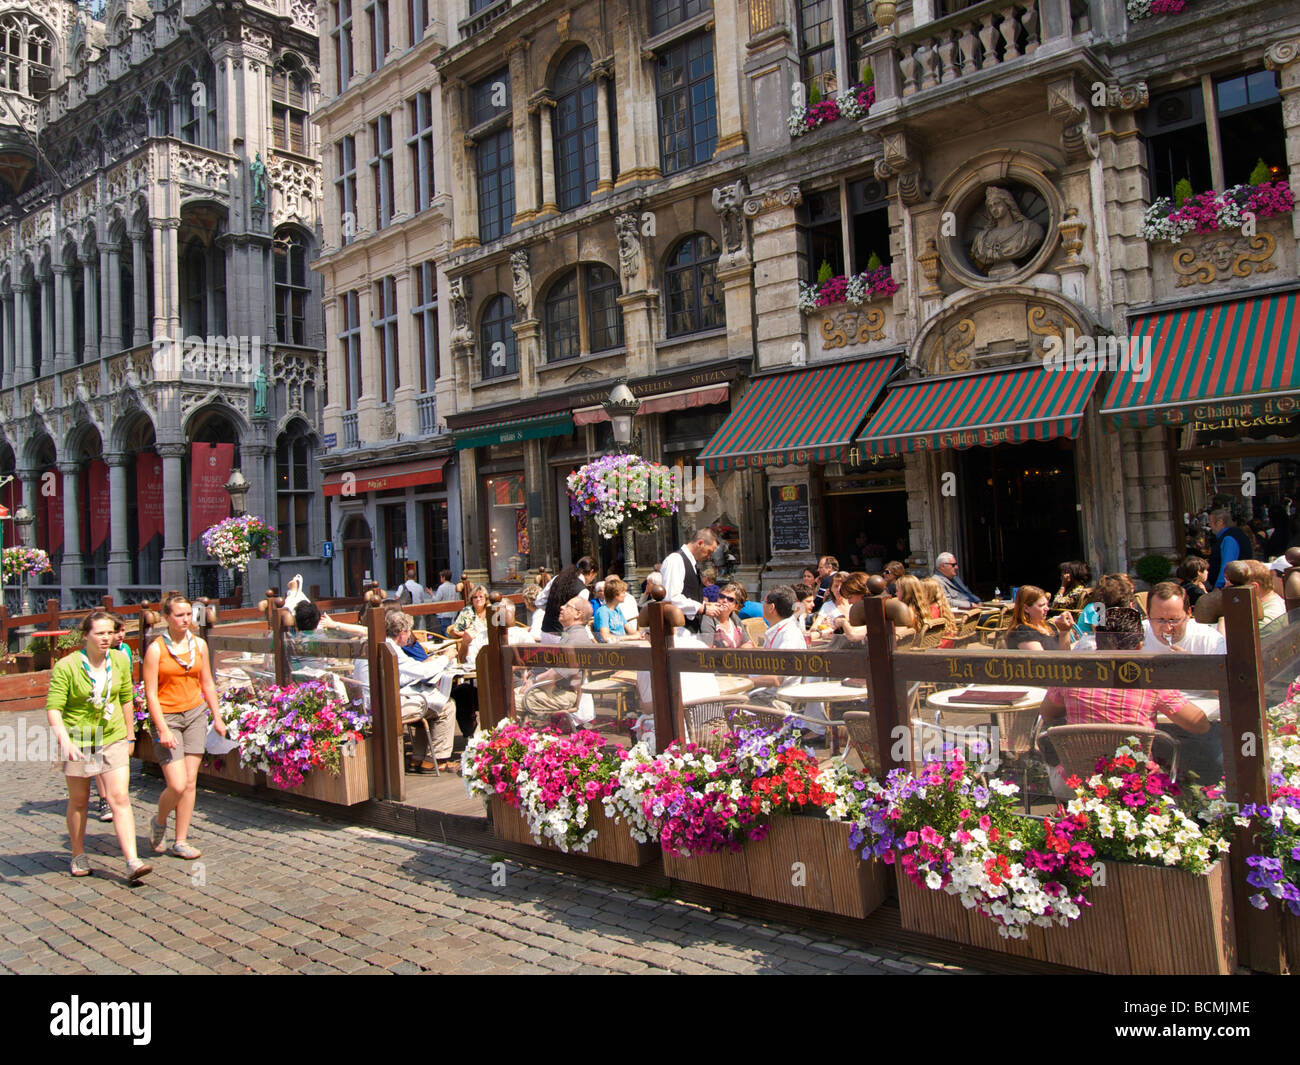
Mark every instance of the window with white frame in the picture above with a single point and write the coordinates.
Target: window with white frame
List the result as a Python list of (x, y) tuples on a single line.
[(381, 168), (293, 491), (385, 323), (26, 54), (833, 38), (346, 183), (417, 19), (846, 228), (342, 34), (424, 308), (350, 344), (420, 143)]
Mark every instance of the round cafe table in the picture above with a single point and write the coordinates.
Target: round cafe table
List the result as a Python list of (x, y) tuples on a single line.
[(1015, 722), (830, 692)]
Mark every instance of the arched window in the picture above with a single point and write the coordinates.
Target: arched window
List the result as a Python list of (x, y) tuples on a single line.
[(293, 455), (694, 303), (198, 97), (27, 53), (576, 166), (291, 287), (289, 105), (582, 313), (194, 294), (160, 111), (498, 338)]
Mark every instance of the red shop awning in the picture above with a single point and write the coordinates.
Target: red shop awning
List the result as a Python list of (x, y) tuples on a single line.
[(379, 478)]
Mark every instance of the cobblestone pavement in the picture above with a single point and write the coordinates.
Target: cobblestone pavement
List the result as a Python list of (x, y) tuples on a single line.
[(278, 891)]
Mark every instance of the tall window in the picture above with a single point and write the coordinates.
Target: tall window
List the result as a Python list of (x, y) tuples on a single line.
[(347, 186), (293, 490), (846, 228), (417, 19), (421, 146), (489, 101), (817, 45), (582, 313), (385, 322), (342, 34), (498, 338), (291, 288), (859, 24), (424, 307), (688, 111), (194, 289), (198, 99), (665, 14), (694, 303), (350, 343), (289, 109), (381, 168), (576, 167), (1251, 129), (160, 111), (377, 14), (27, 54)]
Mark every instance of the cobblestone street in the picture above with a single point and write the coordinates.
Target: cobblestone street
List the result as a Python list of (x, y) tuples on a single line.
[(278, 891)]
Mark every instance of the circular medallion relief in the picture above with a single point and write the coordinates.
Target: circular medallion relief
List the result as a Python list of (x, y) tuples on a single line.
[(1005, 230)]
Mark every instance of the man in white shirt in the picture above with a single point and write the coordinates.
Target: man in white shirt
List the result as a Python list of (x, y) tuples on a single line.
[(785, 632), (418, 593), (1272, 607), (682, 584)]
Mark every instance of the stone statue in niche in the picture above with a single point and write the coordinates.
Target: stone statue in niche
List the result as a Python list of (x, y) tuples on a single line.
[(1008, 236), (261, 189)]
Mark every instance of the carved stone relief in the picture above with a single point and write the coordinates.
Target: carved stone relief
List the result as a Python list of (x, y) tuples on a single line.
[(628, 228), (849, 328), (523, 284), (1224, 256)]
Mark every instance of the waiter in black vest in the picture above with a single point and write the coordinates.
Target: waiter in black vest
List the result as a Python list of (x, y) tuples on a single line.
[(681, 573)]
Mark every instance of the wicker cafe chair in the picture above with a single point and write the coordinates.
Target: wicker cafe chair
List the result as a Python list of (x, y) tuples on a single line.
[(990, 624), (862, 738), (1076, 749), (968, 633), (756, 630), (933, 633), (707, 724)]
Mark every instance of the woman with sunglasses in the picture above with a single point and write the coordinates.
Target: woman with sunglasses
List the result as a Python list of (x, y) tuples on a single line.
[(726, 630)]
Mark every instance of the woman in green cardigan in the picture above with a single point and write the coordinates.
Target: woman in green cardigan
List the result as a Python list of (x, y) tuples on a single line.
[(90, 713)]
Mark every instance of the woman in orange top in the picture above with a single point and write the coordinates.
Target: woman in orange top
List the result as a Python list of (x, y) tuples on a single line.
[(179, 690)]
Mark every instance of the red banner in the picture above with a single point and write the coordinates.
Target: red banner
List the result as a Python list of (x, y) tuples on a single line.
[(210, 466), (100, 507), (148, 496), (48, 506)]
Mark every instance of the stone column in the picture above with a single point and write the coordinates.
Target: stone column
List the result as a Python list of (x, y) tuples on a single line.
[(174, 547), (110, 299), (90, 348), (1284, 57), (140, 291), (119, 557), (776, 270), (63, 328), (23, 332), (166, 280), (601, 73), (47, 326), (6, 343), (544, 103), (539, 486), (522, 133), (727, 79), (71, 571)]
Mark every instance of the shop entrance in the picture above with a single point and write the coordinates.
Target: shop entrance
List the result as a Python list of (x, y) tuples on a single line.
[(358, 557), (865, 511), (1020, 509)]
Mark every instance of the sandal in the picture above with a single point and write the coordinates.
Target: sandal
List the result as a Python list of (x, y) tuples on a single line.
[(80, 865), (450, 766), (136, 868), (157, 833), (184, 850)]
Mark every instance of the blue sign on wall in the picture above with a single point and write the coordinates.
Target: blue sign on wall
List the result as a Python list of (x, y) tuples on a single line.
[(328, 549), (330, 440)]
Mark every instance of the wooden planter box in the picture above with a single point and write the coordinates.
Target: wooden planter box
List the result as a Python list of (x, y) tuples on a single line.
[(349, 786), (230, 768), (835, 879), (1143, 920), (613, 842), (1291, 941)]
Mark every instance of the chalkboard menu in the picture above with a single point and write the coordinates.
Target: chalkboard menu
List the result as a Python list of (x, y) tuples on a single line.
[(789, 507)]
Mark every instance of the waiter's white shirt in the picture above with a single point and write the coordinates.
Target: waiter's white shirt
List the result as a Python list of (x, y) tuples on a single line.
[(673, 571)]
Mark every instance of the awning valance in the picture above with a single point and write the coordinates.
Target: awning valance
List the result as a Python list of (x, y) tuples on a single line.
[(1229, 359), (804, 415), (379, 478), (695, 397), (514, 430), (1005, 406)]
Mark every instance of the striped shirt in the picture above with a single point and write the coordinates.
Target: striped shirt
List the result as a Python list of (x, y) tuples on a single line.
[(1117, 706)]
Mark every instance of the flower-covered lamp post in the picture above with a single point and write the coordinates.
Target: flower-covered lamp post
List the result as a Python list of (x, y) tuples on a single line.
[(24, 519), (238, 487), (621, 406)]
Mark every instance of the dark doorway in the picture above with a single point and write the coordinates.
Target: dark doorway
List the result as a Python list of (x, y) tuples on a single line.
[(357, 556), (882, 515), (1020, 507)]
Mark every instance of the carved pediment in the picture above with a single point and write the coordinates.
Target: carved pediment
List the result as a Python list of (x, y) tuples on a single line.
[(995, 330)]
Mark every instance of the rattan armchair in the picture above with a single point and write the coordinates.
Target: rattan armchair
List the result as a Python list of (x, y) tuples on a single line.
[(1077, 748)]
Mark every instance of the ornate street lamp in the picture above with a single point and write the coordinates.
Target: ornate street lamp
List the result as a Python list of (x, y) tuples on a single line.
[(24, 519), (238, 487), (621, 408)]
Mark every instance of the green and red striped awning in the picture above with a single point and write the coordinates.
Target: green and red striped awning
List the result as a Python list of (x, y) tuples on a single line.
[(804, 415), (1005, 406), (1233, 358)]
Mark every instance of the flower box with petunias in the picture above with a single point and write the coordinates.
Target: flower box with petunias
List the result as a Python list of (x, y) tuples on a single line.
[(551, 789), (1145, 9), (24, 561), (750, 815), (1213, 212), (623, 488), (873, 283), (236, 541), (853, 103)]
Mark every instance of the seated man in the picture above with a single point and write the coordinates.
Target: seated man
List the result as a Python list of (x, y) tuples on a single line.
[(945, 572), (785, 632), (555, 695), (304, 644)]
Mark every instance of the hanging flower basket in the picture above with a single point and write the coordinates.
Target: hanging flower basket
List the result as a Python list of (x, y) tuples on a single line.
[(623, 488), (234, 542), (28, 561)]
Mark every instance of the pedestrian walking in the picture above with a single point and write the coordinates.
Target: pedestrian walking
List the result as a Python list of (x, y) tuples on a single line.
[(90, 711), (179, 689)]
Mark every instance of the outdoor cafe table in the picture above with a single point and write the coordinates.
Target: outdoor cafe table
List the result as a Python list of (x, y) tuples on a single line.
[(824, 691), (1015, 722)]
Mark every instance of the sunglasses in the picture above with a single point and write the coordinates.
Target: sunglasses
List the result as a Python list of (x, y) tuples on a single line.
[(728, 599)]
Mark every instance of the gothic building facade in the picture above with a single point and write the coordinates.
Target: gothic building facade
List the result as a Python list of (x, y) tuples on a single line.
[(159, 323)]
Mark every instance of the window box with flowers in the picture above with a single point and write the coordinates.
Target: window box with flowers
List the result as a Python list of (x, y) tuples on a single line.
[(1138, 10), (874, 283), (1212, 212), (853, 103)]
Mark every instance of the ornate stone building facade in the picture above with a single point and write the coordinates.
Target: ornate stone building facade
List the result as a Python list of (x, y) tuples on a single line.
[(887, 273), (159, 325)]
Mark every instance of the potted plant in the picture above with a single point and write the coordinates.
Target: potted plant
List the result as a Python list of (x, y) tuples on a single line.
[(1153, 569), (234, 542), (623, 488), (551, 789)]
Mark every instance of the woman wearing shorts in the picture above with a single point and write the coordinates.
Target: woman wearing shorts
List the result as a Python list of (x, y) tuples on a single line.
[(90, 698), (179, 690)]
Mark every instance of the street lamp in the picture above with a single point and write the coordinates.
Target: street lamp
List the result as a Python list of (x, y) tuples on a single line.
[(238, 487), (621, 406), (24, 518)]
